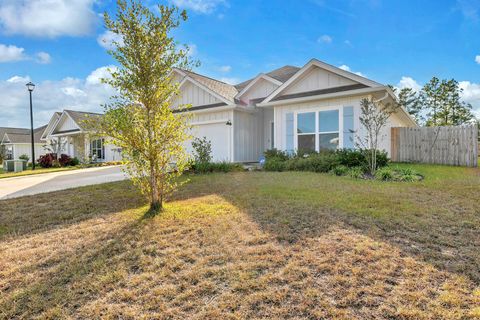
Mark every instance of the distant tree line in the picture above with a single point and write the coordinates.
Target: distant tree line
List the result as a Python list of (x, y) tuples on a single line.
[(438, 103)]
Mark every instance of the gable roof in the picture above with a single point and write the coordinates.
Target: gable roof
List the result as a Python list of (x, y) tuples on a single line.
[(80, 117), (51, 124), (227, 91), (18, 135), (316, 63), (281, 74)]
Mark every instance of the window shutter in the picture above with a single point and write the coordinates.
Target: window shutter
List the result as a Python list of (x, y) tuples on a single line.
[(348, 134), (289, 132)]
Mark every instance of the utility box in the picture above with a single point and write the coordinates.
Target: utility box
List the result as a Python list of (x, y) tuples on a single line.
[(14, 165)]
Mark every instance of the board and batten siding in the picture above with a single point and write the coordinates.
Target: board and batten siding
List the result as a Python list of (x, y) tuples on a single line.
[(316, 79), (281, 112), (66, 124), (194, 95), (248, 136), (261, 89)]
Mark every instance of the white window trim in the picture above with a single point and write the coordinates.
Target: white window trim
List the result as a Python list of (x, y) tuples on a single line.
[(317, 133)]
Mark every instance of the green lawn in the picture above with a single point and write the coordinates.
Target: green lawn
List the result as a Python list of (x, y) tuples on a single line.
[(248, 245)]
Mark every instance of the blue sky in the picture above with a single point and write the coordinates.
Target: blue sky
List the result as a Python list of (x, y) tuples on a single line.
[(55, 43)]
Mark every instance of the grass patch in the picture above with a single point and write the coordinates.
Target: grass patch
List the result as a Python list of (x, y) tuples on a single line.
[(29, 171), (248, 245)]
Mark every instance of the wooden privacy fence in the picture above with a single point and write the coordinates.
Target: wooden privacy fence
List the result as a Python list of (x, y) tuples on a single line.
[(456, 146)]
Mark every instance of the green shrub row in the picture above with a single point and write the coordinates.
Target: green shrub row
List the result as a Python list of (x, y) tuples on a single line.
[(209, 167), (324, 161)]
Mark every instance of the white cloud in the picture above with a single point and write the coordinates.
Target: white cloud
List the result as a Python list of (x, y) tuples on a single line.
[(348, 43), (408, 82), (73, 92), (225, 69), (108, 38), (230, 80), (477, 59), (51, 96), (471, 94), (325, 39), (94, 78), (47, 18), (347, 68), (19, 79), (200, 6), (10, 53), (43, 58)]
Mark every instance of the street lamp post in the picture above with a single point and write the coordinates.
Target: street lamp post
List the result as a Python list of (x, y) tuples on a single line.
[(30, 87)]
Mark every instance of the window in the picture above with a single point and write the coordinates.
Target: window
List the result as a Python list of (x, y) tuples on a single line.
[(321, 125), (328, 136), (306, 131), (97, 149), (9, 153)]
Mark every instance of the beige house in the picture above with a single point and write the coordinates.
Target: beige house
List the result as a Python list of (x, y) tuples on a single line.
[(314, 107)]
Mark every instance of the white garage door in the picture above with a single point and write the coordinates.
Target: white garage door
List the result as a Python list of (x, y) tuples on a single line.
[(219, 136)]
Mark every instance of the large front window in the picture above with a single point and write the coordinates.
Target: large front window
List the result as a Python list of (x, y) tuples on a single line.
[(97, 149), (318, 130)]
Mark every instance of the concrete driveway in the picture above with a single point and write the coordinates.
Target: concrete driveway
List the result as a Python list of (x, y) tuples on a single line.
[(47, 182)]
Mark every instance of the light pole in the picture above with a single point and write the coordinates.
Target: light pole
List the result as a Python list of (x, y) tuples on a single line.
[(30, 87)]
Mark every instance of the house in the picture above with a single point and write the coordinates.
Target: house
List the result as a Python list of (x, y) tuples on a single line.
[(314, 107), (17, 141), (68, 132)]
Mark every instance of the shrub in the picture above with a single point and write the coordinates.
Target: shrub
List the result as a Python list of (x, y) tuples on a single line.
[(202, 150), (323, 162), (408, 174), (385, 174), (65, 160), (46, 161), (351, 158), (276, 154), (24, 157), (75, 162), (356, 172), (208, 167), (358, 158), (339, 170), (275, 164)]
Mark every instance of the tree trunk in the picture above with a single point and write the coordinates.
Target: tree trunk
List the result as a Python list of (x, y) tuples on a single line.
[(155, 201)]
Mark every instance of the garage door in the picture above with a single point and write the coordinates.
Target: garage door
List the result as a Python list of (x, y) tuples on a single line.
[(219, 136)]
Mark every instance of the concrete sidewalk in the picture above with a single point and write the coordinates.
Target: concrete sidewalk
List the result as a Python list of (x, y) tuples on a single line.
[(47, 182)]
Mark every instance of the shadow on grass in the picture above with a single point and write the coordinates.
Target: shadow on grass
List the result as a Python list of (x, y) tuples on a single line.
[(68, 279), (38, 213), (436, 221)]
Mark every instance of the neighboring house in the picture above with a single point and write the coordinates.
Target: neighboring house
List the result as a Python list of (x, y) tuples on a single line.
[(70, 130), (314, 107), (18, 141)]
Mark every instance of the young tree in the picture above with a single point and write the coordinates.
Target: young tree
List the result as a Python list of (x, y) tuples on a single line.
[(443, 100), (140, 119), (374, 118), (432, 94), (411, 101)]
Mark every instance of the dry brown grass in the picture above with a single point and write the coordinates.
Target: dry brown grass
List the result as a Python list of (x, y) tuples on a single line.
[(231, 247)]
